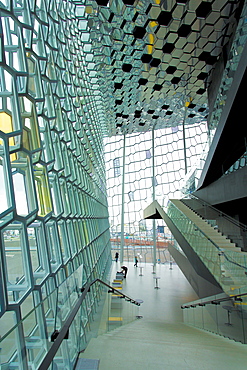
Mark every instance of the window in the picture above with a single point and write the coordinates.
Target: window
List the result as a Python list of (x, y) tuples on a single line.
[(131, 195), (116, 166), (148, 154)]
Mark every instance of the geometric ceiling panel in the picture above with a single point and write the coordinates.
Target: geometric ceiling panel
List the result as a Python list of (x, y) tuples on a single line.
[(155, 56)]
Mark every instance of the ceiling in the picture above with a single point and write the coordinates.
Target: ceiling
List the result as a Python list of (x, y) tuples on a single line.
[(154, 60)]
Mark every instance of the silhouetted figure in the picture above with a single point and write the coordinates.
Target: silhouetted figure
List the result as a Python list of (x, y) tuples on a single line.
[(136, 261), (116, 256), (124, 271)]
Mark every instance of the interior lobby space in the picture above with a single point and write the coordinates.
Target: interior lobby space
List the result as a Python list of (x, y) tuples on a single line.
[(160, 339), (123, 130)]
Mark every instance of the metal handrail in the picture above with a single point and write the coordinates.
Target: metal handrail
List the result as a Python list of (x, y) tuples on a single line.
[(236, 297), (221, 251), (226, 216), (59, 336)]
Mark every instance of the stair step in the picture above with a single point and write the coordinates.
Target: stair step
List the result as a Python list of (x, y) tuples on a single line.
[(209, 230), (87, 364), (113, 320), (235, 276)]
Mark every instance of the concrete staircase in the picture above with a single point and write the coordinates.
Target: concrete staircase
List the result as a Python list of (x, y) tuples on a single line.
[(160, 340), (224, 263), (221, 240), (152, 345)]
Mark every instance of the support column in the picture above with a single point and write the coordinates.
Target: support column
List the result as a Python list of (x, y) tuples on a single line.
[(153, 183), (185, 156), (122, 212)]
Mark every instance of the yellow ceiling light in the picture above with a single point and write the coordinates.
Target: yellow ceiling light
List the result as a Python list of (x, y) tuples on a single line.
[(187, 103), (153, 24), (150, 38), (150, 43), (149, 49)]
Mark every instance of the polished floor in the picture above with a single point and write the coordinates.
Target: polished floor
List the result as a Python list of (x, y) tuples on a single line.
[(160, 340)]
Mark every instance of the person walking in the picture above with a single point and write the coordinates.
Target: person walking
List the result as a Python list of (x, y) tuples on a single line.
[(116, 256), (136, 261)]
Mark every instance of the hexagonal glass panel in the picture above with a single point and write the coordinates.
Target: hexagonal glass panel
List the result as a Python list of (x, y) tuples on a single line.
[(17, 264), (23, 185), (53, 245), (38, 253), (43, 190), (6, 201)]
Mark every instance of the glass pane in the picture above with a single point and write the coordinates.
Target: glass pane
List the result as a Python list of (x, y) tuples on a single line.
[(17, 269)]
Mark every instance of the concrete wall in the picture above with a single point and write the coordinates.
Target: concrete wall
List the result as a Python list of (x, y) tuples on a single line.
[(201, 286), (227, 188)]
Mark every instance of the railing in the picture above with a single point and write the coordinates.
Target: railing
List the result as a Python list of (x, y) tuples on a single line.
[(145, 254), (221, 314), (232, 228), (240, 163), (237, 223), (236, 297), (41, 349), (58, 337), (228, 266)]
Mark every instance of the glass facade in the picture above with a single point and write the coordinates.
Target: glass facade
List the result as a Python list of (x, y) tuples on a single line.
[(169, 158), (53, 201), (174, 154)]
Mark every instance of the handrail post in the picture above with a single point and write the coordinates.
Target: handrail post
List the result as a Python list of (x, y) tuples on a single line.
[(236, 297)]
